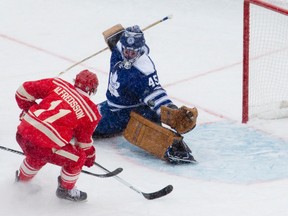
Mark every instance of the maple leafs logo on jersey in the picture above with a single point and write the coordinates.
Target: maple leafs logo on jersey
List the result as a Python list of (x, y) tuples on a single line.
[(113, 84)]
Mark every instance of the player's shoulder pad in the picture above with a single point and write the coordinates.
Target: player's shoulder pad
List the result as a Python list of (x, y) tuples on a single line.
[(145, 65)]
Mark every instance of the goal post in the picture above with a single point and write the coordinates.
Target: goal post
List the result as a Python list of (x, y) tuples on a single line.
[(265, 59)]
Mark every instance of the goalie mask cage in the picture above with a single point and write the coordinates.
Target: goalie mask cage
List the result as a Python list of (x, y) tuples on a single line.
[(265, 59)]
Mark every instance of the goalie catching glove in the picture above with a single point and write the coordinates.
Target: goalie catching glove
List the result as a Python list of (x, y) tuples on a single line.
[(182, 120)]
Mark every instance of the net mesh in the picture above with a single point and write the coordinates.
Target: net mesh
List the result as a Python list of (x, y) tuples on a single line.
[(268, 61)]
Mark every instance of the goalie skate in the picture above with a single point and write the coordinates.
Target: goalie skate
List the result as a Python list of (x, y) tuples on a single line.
[(179, 153)]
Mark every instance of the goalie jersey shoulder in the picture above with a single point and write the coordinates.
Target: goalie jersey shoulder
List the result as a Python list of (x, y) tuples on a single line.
[(145, 65)]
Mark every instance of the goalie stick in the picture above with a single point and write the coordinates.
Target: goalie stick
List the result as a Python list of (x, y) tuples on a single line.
[(106, 175), (106, 48), (150, 196)]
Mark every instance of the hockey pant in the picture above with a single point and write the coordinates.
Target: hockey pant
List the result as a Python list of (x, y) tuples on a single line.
[(70, 158)]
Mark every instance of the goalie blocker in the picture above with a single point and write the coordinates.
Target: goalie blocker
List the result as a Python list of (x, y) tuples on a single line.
[(157, 140), (112, 35)]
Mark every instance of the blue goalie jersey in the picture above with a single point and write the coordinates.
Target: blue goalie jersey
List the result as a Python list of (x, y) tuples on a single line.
[(138, 85)]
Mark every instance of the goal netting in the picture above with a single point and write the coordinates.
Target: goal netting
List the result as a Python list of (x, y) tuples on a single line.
[(265, 59)]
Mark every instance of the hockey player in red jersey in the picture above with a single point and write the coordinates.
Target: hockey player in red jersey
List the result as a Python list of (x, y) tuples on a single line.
[(55, 113)]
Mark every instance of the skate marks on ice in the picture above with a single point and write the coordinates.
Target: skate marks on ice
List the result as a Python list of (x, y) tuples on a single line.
[(226, 152)]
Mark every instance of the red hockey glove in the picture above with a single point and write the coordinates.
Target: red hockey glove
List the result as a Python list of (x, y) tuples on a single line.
[(90, 153)]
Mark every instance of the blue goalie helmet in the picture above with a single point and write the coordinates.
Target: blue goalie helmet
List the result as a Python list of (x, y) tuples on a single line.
[(132, 38)]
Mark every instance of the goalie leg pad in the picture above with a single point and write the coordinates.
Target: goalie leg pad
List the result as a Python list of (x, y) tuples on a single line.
[(149, 136)]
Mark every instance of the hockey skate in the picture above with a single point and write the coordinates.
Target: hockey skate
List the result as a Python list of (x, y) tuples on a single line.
[(73, 194), (179, 153)]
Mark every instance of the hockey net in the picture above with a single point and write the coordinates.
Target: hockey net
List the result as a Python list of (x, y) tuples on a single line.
[(265, 59)]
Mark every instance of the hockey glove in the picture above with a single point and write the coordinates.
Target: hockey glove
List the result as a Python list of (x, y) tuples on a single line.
[(90, 156), (182, 120), (112, 35)]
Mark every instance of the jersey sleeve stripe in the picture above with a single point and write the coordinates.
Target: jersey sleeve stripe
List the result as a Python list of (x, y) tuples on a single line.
[(111, 104), (154, 94), (84, 145), (162, 100), (23, 94)]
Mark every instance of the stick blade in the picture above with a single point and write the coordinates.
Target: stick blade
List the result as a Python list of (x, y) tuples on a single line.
[(115, 172), (163, 192)]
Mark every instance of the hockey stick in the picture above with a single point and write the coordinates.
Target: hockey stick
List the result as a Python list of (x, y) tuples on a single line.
[(106, 48), (154, 195), (108, 174)]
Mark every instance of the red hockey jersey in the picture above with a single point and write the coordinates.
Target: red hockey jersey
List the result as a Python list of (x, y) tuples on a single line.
[(61, 113)]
